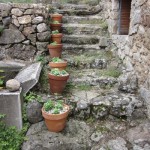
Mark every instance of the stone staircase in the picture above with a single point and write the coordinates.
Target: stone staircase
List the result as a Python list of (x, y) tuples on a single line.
[(93, 65)]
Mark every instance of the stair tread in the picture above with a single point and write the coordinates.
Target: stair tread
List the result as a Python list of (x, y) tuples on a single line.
[(81, 25)]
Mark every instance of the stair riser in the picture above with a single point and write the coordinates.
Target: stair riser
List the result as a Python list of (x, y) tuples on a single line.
[(80, 40), (84, 30)]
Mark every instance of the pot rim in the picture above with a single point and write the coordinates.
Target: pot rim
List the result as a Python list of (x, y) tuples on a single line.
[(56, 15), (57, 35)]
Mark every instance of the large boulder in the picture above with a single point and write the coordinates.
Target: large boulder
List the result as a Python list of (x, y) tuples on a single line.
[(10, 36)]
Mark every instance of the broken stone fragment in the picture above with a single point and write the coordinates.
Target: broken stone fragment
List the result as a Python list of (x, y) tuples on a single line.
[(13, 85)]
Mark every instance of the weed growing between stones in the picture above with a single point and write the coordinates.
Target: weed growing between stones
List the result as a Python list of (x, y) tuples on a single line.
[(1, 29), (10, 137)]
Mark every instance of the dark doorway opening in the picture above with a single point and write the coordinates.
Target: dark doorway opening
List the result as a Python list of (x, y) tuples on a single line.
[(124, 16)]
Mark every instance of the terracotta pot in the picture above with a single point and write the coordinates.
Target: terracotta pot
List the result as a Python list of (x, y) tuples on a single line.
[(55, 50), (59, 65), (56, 27), (55, 122), (56, 37), (56, 17), (57, 83)]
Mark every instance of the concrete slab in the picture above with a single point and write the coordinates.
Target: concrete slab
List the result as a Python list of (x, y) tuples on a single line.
[(29, 76), (11, 105)]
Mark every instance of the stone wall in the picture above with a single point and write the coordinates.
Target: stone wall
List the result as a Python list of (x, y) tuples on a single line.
[(133, 49), (26, 33)]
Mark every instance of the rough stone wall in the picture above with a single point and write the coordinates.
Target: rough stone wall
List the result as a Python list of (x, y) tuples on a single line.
[(26, 33), (134, 49)]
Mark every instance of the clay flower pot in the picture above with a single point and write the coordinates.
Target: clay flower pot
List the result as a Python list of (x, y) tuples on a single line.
[(59, 65), (56, 37), (55, 50), (57, 83), (56, 17), (55, 122), (54, 26)]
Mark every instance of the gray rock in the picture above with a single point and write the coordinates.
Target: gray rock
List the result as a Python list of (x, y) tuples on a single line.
[(99, 64), (28, 30), (10, 104), (97, 136), (145, 94), (41, 27), (22, 52), (29, 11), (103, 42), (16, 12), (12, 85), (37, 20), (16, 36), (117, 144), (15, 22), (29, 76), (44, 36), (27, 42), (74, 137), (42, 46), (6, 21), (32, 38), (33, 110), (128, 82), (5, 9), (24, 19)]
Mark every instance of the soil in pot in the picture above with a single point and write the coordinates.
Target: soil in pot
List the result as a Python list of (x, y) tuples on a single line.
[(56, 122), (55, 50), (56, 17)]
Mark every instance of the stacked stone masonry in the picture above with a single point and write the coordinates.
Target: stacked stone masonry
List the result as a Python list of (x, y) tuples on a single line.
[(25, 33)]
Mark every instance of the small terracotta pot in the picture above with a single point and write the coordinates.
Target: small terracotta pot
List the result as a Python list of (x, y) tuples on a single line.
[(56, 38), (55, 122), (56, 17), (59, 65), (55, 50), (56, 27), (57, 83)]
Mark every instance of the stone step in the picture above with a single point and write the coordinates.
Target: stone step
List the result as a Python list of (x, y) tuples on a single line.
[(85, 29), (83, 19), (81, 39), (79, 11), (79, 49), (91, 77)]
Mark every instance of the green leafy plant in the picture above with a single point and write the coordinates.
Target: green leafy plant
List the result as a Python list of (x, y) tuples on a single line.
[(55, 32), (57, 60), (41, 59), (58, 72), (1, 79), (54, 107), (55, 22), (1, 29), (53, 43)]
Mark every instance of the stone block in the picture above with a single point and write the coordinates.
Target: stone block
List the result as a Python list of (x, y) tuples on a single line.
[(11, 105), (29, 76)]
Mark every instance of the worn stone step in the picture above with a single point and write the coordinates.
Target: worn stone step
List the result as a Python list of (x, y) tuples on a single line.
[(96, 19), (81, 39), (79, 11), (85, 29), (79, 49), (92, 77)]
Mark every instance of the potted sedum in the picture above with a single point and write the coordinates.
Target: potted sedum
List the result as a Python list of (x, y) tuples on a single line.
[(55, 25), (56, 17), (57, 80), (55, 49), (56, 62), (56, 36), (55, 114)]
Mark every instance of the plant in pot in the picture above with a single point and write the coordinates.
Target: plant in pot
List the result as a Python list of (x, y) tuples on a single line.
[(57, 80), (56, 36), (55, 49), (55, 25), (56, 17), (55, 114), (58, 63)]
